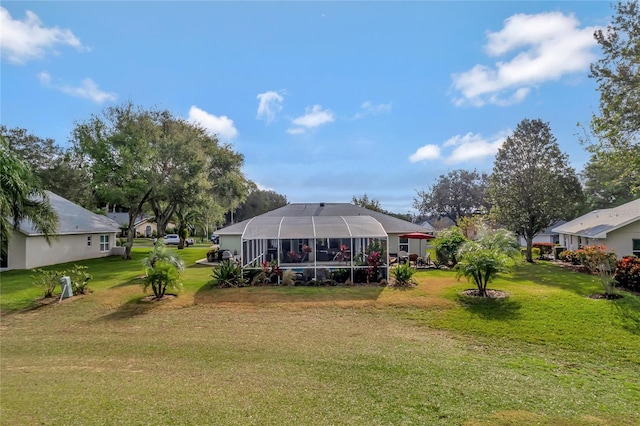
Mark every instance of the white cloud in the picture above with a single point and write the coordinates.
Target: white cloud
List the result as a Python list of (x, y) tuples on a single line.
[(547, 46), (473, 146), (22, 41), (270, 104), (314, 117), (369, 108), (295, 131), (88, 89), (221, 126), (427, 152), (461, 148)]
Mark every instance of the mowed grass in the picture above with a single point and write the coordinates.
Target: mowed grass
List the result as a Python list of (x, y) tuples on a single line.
[(547, 354)]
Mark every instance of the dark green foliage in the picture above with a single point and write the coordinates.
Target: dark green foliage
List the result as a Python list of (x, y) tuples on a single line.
[(259, 201), (616, 151), (628, 273), (546, 249), (228, 274), (447, 244), (532, 184), (22, 197), (458, 194)]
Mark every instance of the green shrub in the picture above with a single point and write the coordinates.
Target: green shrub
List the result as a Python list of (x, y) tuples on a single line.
[(535, 253), (46, 280), (598, 261), (228, 274), (546, 249), (161, 277), (403, 275), (447, 244), (480, 265), (628, 273), (79, 279)]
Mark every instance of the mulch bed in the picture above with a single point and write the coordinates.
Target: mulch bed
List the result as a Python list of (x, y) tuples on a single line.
[(491, 294)]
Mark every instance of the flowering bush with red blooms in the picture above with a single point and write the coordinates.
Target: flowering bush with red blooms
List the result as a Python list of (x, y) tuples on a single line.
[(595, 257), (628, 273), (568, 256), (373, 262), (545, 248)]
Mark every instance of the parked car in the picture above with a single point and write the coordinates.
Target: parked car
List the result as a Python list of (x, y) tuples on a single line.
[(174, 239), (171, 239), (215, 239)]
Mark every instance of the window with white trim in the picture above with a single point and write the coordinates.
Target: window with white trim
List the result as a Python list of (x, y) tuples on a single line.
[(636, 247), (403, 244), (104, 243), (89, 241)]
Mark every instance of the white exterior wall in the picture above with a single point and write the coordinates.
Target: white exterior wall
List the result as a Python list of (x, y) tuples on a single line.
[(618, 241), (33, 252), (230, 242)]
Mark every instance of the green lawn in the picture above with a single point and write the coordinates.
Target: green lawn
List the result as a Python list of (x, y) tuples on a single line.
[(547, 354)]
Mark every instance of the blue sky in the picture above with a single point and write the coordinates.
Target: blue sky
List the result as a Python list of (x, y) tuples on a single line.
[(326, 100)]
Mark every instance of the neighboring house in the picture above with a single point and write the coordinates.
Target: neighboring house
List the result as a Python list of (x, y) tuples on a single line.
[(617, 228), (429, 228), (143, 224), (80, 234), (546, 236), (316, 236)]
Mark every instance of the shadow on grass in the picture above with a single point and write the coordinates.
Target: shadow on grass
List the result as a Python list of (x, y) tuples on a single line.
[(131, 309), (490, 308), (627, 309), (132, 281), (207, 294), (552, 275)]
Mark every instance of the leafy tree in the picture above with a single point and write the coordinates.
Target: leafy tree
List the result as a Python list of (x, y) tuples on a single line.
[(118, 148), (617, 126), (371, 204), (447, 243), (455, 195), (21, 197), (374, 205), (59, 171), (259, 201), (532, 184)]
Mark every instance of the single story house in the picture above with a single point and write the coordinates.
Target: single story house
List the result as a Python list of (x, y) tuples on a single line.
[(144, 225), (81, 234), (313, 237), (617, 228), (548, 235)]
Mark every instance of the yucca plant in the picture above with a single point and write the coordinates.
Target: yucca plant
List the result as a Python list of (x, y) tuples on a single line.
[(403, 275), (228, 274)]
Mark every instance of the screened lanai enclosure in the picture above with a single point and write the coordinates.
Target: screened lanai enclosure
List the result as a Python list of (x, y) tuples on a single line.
[(320, 248)]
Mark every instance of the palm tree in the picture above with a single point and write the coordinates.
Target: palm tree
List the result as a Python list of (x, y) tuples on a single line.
[(185, 218), (22, 197)]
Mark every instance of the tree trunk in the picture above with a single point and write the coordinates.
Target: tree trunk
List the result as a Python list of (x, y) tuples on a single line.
[(529, 240)]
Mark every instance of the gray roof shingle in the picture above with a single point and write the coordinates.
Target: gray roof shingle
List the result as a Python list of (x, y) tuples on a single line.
[(598, 223), (72, 219)]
